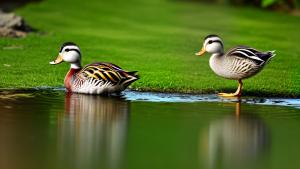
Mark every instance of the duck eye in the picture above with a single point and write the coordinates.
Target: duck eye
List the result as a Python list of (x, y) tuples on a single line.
[(67, 50), (210, 42)]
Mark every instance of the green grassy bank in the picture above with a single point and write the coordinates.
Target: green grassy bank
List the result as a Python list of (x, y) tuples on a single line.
[(156, 37)]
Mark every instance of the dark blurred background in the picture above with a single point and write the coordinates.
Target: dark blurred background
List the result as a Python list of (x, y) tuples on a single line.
[(10, 5), (281, 5), (285, 5)]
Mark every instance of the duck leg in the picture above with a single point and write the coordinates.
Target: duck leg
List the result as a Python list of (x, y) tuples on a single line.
[(237, 93), (238, 109)]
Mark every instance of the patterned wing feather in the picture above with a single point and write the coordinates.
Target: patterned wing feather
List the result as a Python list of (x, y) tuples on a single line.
[(252, 54), (108, 73)]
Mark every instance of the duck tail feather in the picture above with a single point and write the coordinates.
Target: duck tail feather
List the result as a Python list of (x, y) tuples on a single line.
[(134, 74)]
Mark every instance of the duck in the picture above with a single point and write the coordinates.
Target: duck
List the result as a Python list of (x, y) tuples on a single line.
[(237, 63), (95, 78)]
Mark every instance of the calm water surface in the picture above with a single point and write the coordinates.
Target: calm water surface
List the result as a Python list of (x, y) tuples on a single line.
[(54, 130)]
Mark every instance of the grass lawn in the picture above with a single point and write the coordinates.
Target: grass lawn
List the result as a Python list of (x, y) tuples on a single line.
[(156, 37)]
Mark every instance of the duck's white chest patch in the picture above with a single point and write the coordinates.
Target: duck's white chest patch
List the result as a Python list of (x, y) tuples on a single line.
[(215, 64)]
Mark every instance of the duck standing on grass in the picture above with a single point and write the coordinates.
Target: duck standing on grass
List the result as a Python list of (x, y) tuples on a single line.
[(95, 78), (238, 63)]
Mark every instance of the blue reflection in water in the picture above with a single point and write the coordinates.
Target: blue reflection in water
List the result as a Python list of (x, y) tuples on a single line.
[(92, 131), (237, 141), (188, 98)]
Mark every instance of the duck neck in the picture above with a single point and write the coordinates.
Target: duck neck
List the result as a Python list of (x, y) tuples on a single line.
[(216, 56), (76, 65), (216, 61), (70, 77)]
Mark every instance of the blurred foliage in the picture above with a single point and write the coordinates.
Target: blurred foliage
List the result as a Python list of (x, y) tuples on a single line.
[(291, 4), (10, 5), (271, 4)]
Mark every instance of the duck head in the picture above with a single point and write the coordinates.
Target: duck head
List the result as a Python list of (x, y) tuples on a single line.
[(212, 44), (69, 52)]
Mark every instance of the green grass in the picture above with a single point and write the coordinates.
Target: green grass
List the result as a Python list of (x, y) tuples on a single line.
[(156, 37)]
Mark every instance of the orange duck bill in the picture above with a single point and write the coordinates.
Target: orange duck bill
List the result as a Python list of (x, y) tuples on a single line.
[(58, 60), (202, 51)]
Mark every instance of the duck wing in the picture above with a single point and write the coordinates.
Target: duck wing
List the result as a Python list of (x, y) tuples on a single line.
[(108, 73), (252, 54), (106, 64)]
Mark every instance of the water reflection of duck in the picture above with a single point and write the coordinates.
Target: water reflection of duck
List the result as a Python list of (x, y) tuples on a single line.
[(237, 141), (92, 131)]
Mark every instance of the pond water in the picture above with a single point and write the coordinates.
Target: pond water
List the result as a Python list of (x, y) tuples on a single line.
[(54, 130)]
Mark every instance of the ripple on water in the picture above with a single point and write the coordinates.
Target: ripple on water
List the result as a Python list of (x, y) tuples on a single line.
[(175, 97), (51, 95)]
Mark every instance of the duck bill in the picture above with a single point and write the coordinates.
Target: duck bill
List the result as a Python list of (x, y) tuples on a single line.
[(202, 51), (58, 60)]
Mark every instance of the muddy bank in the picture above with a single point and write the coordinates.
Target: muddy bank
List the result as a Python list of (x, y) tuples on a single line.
[(12, 25)]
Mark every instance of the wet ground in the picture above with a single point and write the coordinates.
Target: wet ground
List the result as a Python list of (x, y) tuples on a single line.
[(51, 129)]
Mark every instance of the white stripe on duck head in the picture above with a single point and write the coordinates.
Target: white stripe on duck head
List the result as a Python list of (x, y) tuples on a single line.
[(69, 52), (213, 44)]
